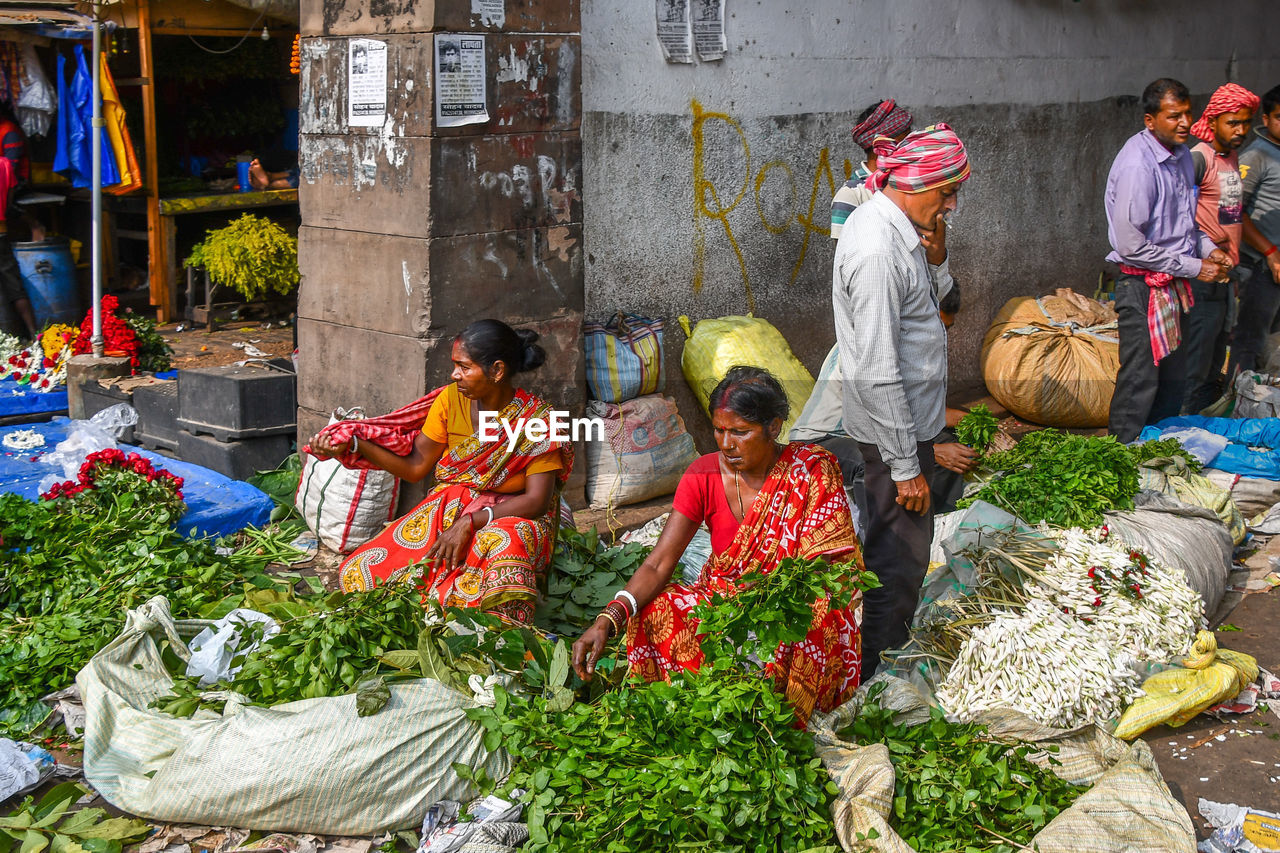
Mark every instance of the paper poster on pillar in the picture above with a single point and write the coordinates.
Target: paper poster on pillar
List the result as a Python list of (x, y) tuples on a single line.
[(492, 13), (366, 83), (673, 30), (708, 29), (461, 94)]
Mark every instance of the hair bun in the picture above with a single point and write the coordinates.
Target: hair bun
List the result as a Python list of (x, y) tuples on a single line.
[(534, 356)]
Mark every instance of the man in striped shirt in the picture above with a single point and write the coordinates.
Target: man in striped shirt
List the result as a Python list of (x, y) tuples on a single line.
[(883, 119), (889, 274)]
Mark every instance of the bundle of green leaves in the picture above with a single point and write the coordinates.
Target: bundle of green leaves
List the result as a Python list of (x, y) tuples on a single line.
[(977, 428), (252, 255), (72, 568), (328, 645), (583, 577), (709, 761), (1063, 479), (1164, 448), (956, 787)]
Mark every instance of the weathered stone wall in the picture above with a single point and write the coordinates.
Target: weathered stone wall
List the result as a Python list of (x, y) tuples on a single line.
[(410, 230), (708, 186)]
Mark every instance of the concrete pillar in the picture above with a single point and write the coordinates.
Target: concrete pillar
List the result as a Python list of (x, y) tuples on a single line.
[(86, 368), (411, 231)]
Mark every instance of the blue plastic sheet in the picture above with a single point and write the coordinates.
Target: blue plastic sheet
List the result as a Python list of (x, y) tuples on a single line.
[(216, 505), (1254, 450), (17, 399)]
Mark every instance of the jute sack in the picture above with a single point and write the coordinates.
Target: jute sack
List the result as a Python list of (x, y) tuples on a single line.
[(1128, 807), (310, 766), (1053, 360)]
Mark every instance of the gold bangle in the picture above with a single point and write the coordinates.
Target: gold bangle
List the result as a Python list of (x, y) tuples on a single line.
[(617, 629)]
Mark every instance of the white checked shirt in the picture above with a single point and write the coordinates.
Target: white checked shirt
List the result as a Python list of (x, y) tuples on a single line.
[(893, 347)]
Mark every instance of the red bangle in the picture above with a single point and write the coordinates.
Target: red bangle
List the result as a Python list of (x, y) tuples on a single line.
[(1269, 252)]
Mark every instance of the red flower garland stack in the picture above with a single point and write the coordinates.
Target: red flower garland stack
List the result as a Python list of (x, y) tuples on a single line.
[(116, 334)]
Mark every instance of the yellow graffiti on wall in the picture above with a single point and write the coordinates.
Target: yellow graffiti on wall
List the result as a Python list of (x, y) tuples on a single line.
[(707, 206)]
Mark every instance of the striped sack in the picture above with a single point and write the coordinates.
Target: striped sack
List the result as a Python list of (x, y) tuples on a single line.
[(624, 357), (344, 507)]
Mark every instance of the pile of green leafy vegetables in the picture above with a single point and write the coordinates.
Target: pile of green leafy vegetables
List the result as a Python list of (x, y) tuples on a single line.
[(1068, 480), (956, 787), (709, 761), (72, 567), (977, 428), (583, 577)]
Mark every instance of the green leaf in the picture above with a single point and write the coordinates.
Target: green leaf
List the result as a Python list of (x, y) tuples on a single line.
[(559, 672), (33, 842), (402, 659), (372, 696)]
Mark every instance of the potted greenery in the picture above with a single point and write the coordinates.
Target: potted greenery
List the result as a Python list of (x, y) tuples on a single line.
[(253, 255)]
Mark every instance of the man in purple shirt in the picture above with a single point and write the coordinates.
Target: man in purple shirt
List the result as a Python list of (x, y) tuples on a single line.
[(1151, 223)]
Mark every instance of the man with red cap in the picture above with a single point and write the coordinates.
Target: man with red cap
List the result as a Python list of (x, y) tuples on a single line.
[(1222, 129), (885, 118), (890, 272)]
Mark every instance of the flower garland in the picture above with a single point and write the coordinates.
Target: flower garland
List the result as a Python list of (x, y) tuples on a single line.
[(22, 439), (110, 474), (117, 336), (32, 368), (56, 337)]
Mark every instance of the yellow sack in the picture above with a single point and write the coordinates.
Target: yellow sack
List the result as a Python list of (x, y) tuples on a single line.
[(1208, 675), (1053, 360), (719, 344)]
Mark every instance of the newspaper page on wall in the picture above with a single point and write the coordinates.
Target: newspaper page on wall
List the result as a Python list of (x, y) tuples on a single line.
[(461, 96), (366, 83), (708, 29), (492, 13), (673, 30)]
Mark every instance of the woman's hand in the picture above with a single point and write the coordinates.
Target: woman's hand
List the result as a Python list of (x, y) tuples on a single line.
[(451, 547), (324, 445), (588, 649)]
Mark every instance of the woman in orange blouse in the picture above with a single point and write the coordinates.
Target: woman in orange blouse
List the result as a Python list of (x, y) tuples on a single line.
[(487, 529)]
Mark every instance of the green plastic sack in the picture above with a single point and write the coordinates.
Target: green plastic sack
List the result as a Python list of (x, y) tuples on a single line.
[(312, 766)]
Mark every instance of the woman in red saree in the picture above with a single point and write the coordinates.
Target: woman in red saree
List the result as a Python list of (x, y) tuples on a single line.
[(763, 502), (487, 529)]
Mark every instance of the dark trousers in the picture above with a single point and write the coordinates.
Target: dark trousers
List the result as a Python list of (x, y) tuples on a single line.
[(1259, 306), (1145, 393), (852, 469), (11, 290), (1204, 337), (895, 545)]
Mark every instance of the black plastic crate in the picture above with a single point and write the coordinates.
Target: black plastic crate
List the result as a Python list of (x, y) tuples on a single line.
[(233, 403), (97, 397), (240, 459), (157, 407)]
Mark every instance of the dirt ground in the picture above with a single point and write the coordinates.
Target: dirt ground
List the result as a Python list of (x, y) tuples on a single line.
[(198, 347)]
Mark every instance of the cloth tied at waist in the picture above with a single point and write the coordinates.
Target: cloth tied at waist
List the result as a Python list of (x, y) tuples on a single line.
[(1167, 297)]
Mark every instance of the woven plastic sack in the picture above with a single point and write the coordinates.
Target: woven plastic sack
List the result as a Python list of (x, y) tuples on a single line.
[(344, 507), (1128, 807), (310, 766), (1053, 360), (1257, 396), (719, 344), (1172, 477), (1207, 676), (1181, 536), (645, 452), (624, 357), (1253, 495)]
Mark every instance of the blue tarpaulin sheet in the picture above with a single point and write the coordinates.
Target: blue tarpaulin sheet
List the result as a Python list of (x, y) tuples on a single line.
[(1254, 450), (216, 505), (17, 399)]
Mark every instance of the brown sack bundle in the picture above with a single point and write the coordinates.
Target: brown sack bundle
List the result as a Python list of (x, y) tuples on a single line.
[(1053, 360)]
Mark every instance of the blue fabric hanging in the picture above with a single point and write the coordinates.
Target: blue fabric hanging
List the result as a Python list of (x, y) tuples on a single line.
[(76, 108), (62, 158)]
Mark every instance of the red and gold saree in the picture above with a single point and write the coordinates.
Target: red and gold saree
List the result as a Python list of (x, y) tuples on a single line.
[(801, 511)]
